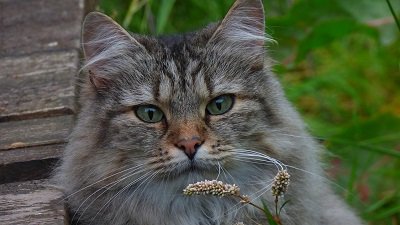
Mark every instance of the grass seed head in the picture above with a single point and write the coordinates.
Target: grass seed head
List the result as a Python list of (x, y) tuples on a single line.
[(211, 187), (281, 183)]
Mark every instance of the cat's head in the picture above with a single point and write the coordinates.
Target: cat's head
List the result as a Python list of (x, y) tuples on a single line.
[(186, 106)]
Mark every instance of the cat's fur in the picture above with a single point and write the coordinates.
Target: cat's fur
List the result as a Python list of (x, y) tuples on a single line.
[(118, 169)]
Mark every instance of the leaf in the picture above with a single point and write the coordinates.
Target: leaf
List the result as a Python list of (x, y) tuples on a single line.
[(380, 204), (393, 14), (134, 6), (163, 14), (364, 10), (329, 31), (268, 214), (309, 12), (386, 213), (280, 209)]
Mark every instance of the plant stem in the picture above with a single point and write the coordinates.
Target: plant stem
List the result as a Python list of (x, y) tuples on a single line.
[(394, 14), (247, 201), (276, 217), (133, 8)]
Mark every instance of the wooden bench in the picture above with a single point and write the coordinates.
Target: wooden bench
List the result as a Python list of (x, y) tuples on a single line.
[(39, 60)]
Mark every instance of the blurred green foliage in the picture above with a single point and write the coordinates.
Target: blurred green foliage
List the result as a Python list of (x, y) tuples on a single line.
[(339, 62)]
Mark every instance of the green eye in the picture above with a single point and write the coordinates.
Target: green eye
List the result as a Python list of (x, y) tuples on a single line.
[(149, 113), (220, 105)]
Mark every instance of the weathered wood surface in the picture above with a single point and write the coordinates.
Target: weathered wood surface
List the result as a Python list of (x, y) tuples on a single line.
[(25, 154), (28, 148), (39, 61), (35, 132), (29, 26), (33, 202), (38, 82)]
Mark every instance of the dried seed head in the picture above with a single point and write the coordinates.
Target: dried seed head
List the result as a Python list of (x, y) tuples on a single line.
[(211, 187), (245, 199), (281, 183)]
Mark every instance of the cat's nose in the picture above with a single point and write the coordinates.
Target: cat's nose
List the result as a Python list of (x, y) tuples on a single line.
[(189, 146)]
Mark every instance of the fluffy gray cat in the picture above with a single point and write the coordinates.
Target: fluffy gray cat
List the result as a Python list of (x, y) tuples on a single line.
[(161, 113)]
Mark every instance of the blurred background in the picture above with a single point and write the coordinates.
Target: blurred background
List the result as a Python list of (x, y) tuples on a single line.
[(339, 62)]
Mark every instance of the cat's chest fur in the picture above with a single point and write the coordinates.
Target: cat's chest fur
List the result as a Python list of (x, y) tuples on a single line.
[(159, 202)]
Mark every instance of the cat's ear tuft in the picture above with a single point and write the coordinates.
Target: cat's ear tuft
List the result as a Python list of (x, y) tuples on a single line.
[(98, 82), (243, 27), (100, 33), (105, 44)]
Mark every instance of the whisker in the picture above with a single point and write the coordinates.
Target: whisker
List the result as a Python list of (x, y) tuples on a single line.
[(240, 205), (147, 181), (254, 160), (219, 170), (287, 134), (105, 178), (249, 153), (109, 186), (227, 172), (145, 176), (255, 156), (319, 176)]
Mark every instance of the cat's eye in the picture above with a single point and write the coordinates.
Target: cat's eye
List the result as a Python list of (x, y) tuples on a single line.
[(149, 113), (220, 105)]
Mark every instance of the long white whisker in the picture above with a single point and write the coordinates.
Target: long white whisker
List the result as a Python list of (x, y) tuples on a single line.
[(317, 175), (255, 154), (255, 160), (109, 186), (147, 181), (105, 178), (288, 135), (226, 172), (145, 177), (240, 205), (219, 171)]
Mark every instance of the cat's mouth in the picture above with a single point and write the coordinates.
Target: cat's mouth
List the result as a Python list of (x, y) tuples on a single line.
[(193, 166)]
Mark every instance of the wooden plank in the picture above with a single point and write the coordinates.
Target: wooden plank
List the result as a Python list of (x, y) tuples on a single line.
[(29, 148), (38, 82), (32, 202), (35, 132), (39, 25), (25, 171), (39, 45), (41, 152)]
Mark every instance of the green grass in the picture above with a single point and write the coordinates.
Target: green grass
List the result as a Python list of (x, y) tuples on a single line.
[(339, 62)]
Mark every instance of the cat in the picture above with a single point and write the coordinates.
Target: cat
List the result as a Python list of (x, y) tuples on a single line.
[(159, 113)]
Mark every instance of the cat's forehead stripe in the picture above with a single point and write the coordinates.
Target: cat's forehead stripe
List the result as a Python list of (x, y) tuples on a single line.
[(140, 95), (172, 69), (164, 88)]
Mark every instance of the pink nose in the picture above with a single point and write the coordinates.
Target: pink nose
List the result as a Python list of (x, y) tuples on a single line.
[(189, 147)]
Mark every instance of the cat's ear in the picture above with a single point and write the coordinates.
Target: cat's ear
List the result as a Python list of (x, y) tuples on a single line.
[(105, 44), (243, 28)]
